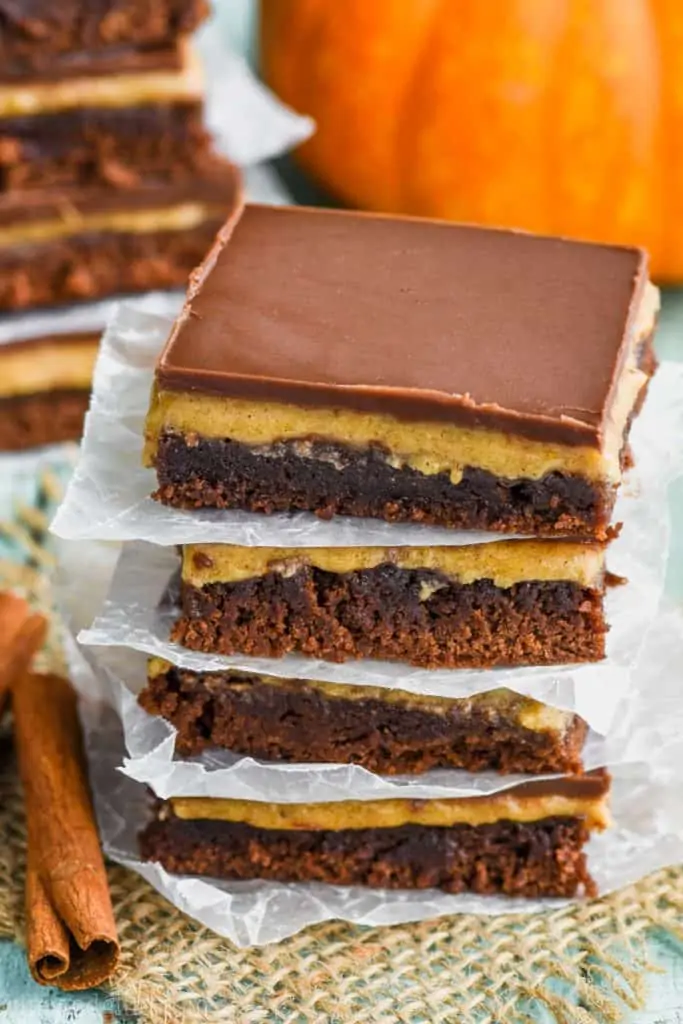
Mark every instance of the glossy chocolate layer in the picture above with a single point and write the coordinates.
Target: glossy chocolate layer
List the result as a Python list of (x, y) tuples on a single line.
[(590, 786), (418, 319)]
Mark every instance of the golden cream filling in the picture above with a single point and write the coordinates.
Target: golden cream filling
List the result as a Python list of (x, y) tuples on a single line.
[(528, 713), (503, 562), (431, 447), (126, 90), (182, 217), (357, 814), (49, 367), (631, 382)]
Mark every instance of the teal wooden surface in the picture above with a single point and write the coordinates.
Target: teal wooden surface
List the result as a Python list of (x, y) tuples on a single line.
[(24, 1002)]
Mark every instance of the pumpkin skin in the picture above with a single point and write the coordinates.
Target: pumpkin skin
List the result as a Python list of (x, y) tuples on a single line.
[(557, 116)]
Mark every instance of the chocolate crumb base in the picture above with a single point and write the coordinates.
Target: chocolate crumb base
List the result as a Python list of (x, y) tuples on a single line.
[(200, 472), (90, 266), (47, 417), (300, 723), (542, 858), (47, 37), (416, 616), (111, 147)]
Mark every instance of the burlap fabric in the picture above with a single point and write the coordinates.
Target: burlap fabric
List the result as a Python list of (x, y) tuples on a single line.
[(574, 966)]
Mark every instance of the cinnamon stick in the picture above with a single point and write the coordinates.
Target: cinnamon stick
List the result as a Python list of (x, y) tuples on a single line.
[(22, 634), (71, 935)]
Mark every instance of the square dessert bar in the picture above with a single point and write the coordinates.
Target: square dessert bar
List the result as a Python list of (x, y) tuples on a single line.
[(525, 841), (513, 602), (78, 243), (108, 125), (109, 182), (45, 389), (384, 730), (405, 369)]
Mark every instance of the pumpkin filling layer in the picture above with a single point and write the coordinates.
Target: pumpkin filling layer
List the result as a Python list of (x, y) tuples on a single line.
[(375, 814), (56, 364), (182, 217), (503, 563)]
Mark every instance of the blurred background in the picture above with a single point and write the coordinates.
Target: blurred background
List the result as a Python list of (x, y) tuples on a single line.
[(556, 116)]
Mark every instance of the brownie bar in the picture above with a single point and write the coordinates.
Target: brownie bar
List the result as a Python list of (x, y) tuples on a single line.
[(543, 858), (524, 841), (514, 416), (91, 266), (421, 617), (45, 389), (67, 244), (115, 147), (48, 417), (385, 731), (44, 37)]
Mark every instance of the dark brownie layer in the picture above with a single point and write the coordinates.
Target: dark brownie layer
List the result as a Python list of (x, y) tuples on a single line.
[(96, 265), (385, 613), (50, 417), (544, 858), (111, 147), (338, 480), (41, 37), (301, 723)]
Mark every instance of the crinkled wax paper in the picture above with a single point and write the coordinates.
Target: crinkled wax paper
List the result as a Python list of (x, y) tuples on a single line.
[(647, 810), (141, 609), (648, 724), (647, 834), (248, 123), (639, 720), (86, 318)]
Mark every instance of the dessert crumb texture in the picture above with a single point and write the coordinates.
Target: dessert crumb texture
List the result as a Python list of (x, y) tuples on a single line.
[(394, 614)]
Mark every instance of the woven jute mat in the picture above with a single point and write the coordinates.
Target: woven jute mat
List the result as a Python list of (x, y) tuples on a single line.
[(585, 964)]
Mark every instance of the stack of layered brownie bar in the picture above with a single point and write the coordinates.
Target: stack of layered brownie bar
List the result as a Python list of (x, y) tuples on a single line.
[(410, 371), (108, 183)]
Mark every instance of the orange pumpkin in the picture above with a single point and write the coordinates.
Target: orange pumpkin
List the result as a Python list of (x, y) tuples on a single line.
[(558, 116)]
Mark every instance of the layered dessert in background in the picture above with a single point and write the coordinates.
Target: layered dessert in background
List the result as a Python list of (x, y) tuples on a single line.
[(47, 359), (109, 183), (404, 369), (385, 730), (524, 841), (45, 389), (515, 602), (408, 370)]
